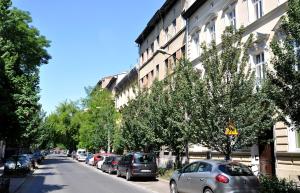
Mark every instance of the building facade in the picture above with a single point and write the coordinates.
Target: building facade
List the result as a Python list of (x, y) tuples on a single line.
[(127, 88), (206, 21), (162, 42)]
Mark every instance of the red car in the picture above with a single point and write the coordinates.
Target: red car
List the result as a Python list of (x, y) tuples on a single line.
[(96, 158)]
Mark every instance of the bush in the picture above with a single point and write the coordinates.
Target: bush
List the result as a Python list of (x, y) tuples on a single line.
[(275, 185), (162, 171)]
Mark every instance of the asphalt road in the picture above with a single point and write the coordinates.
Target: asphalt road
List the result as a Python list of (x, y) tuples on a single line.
[(59, 174)]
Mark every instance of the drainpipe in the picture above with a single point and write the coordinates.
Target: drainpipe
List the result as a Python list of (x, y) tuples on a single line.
[(275, 150)]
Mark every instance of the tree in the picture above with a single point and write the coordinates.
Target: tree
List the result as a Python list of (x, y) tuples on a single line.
[(100, 120), (179, 97), (61, 127), (285, 81), (226, 94), (22, 52)]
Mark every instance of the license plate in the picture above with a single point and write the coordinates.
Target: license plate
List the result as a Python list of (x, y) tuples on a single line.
[(146, 171)]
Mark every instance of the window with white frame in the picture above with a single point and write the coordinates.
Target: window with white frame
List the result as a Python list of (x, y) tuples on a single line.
[(167, 34), (297, 54), (196, 45), (152, 48), (297, 136), (258, 8), (157, 41), (231, 16), (211, 30), (293, 140), (174, 26), (260, 68)]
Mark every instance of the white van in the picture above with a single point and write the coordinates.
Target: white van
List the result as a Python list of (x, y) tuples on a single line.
[(81, 154)]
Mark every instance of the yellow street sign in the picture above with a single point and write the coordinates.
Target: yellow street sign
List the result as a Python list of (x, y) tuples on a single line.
[(230, 131)]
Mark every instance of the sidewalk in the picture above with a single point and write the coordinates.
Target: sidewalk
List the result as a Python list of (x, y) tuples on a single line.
[(15, 181)]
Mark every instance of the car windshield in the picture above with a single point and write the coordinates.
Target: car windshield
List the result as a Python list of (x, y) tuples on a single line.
[(143, 158), (118, 158), (235, 169)]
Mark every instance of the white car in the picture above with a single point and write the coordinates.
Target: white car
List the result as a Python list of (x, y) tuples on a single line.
[(81, 154), (100, 162), (81, 157)]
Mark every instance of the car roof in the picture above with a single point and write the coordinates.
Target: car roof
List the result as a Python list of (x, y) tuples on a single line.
[(213, 162)]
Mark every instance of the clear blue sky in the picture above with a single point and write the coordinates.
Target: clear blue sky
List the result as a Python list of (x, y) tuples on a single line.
[(90, 39)]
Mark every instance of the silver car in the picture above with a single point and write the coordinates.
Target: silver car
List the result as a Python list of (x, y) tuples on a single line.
[(212, 176)]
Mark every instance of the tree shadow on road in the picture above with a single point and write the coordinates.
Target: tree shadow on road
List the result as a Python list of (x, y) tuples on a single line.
[(36, 184)]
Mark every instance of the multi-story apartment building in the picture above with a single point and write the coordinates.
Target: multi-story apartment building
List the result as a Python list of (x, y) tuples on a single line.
[(127, 88), (110, 82), (206, 20), (165, 31)]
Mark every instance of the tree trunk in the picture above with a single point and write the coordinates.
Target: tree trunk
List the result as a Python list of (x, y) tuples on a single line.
[(187, 161), (177, 160), (228, 149)]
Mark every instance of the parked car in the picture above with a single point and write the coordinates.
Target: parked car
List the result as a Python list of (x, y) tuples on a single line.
[(211, 176), (110, 164), (89, 155), (101, 161), (81, 157), (81, 153), (30, 157), (137, 164), (38, 157), (96, 158), (17, 163)]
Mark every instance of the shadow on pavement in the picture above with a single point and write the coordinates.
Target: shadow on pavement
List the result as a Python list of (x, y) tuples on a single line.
[(38, 185), (54, 160)]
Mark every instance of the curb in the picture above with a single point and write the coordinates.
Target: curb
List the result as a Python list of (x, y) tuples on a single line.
[(163, 180)]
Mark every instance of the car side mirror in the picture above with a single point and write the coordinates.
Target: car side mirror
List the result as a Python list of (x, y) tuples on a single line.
[(180, 170)]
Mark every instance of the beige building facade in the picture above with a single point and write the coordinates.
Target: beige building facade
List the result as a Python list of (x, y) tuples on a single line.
[(165, 31), (127, 88), (179, 27), (206, 20)]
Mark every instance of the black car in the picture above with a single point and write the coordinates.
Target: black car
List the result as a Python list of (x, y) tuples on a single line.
[(137, 164), (17, 164), (110, 164)]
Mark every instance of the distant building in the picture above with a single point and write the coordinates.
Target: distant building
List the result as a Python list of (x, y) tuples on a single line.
[(127, 88), (110, 82)]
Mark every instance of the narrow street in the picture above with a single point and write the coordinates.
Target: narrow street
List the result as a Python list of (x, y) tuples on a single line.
[(61, 174)]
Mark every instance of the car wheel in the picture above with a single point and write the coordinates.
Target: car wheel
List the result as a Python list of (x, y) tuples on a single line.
[(128, 175), (208, 190), (173, 187)]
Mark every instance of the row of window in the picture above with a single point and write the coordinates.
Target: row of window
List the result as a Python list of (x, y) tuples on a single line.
[(169, 32), (148, 78), (230, 20)]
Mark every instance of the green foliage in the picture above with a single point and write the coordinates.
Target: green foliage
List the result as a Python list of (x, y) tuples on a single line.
[(178, 108), (276, 185), (162, 115), (138, 127), (226, 93), (285, 82), (98, 121), (61, 127), (22, 52), (165, 173)]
